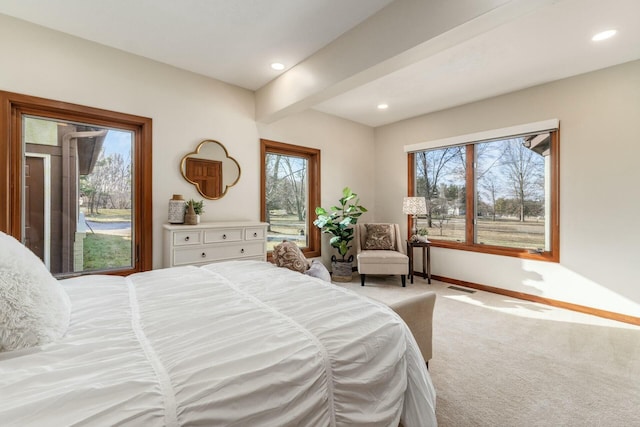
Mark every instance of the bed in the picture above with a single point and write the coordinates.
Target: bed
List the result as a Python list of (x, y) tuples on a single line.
[(240, 343)]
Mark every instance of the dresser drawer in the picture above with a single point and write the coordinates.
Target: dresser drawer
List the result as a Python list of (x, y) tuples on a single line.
[(254, 234), (223, 235), (183, 256), (182, 238)]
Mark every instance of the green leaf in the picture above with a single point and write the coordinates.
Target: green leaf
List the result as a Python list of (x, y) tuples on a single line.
[(343, 249), (346, 222)]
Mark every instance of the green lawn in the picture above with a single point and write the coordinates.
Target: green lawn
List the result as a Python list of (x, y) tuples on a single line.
[(502, 232), (103, 251)]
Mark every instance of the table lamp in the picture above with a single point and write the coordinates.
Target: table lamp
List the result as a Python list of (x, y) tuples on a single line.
[(414, 206)]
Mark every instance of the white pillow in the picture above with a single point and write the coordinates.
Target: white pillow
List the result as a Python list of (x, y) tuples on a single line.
[(318, 270), (34, 308)]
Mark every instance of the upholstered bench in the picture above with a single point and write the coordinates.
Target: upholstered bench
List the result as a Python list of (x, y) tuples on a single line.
[(417, 313), (416, 310)]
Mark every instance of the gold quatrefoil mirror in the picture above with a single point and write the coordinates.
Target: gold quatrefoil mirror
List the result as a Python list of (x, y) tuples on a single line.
[(210, 169)]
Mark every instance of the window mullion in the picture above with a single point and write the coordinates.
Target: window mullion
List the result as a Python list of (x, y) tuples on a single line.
[(470, 207), (411, 190)]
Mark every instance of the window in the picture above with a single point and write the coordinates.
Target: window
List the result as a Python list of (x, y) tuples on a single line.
[(290, 192), (440, 179), (78, 183), (495, 196)]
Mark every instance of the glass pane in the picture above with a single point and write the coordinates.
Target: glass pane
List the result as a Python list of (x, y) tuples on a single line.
[(286, 199), (512, 178), (440, 178), (77, 199)]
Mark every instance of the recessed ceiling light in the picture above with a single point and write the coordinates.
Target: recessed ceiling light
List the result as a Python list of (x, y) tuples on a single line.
[(382, 106), (277, 66), (603, 35)]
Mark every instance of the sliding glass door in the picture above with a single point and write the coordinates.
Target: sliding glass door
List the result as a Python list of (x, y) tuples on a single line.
[(77, 202)]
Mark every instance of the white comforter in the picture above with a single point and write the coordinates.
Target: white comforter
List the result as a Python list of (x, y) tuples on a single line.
[(237, 343)]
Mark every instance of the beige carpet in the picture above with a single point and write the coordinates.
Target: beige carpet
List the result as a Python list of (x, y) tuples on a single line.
[(500, 361)]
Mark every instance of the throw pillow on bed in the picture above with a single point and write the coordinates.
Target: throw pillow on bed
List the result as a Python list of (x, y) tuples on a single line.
[(318, 270), (34, 308), (379, 237), (289, 255)]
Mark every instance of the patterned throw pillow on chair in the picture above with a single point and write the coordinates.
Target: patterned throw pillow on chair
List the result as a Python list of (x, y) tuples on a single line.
[(289, 255), (379, 237)]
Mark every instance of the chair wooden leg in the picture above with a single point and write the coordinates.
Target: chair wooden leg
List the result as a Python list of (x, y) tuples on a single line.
[(404, 280), (362, 279)]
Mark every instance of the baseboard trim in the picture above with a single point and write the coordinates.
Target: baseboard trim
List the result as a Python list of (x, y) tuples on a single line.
[(548, 301)]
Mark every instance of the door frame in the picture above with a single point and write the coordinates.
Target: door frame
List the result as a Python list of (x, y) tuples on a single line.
[(47, 203)]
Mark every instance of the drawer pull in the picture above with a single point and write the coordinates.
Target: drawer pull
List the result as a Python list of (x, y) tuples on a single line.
[(255, 234), (186, 239), (204, 255), (242, 251), (224, 236)]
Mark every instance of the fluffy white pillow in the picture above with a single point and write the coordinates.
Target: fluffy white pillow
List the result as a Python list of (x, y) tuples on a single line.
[(34, 308)]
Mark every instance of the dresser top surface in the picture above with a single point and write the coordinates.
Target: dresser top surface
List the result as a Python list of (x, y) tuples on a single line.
[(216, 224)]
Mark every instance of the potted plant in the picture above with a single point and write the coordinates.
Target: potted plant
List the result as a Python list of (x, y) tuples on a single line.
[(198, 208), (421, 235), (338, 222)]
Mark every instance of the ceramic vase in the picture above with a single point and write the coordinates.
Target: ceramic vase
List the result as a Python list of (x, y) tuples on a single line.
[(176, 209), (190, 218)]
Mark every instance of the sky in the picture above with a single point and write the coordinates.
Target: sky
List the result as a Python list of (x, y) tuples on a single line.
[(118, 141)]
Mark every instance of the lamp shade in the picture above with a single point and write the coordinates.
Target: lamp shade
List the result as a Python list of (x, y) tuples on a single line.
[(414, 206)]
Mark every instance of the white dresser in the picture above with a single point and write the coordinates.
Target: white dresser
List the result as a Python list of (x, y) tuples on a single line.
[(214, 241)]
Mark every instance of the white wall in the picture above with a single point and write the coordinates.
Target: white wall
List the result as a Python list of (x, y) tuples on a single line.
[(186, 108), (599, 198)]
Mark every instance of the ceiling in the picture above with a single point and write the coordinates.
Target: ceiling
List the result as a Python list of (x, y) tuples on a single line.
[(509, 45)]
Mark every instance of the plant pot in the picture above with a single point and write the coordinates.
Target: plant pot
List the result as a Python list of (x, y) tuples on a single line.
[(341, 271)]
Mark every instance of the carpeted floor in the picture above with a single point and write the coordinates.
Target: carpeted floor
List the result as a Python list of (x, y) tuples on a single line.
[(500, 361)]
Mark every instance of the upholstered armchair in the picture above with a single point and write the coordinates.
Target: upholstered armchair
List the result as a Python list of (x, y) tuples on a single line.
[(380, 250)]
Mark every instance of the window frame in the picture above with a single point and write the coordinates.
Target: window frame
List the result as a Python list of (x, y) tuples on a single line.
[(14, 106), (552, 255), (312, 155)]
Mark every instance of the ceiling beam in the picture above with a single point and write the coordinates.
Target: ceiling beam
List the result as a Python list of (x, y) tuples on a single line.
[(404, 32)]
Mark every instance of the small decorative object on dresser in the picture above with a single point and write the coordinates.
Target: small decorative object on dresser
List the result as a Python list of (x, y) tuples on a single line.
[(214, 241), (176, 209), (190, 217), (198, 208)]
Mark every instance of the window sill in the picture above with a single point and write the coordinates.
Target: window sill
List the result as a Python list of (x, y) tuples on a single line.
[(548, 256)]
